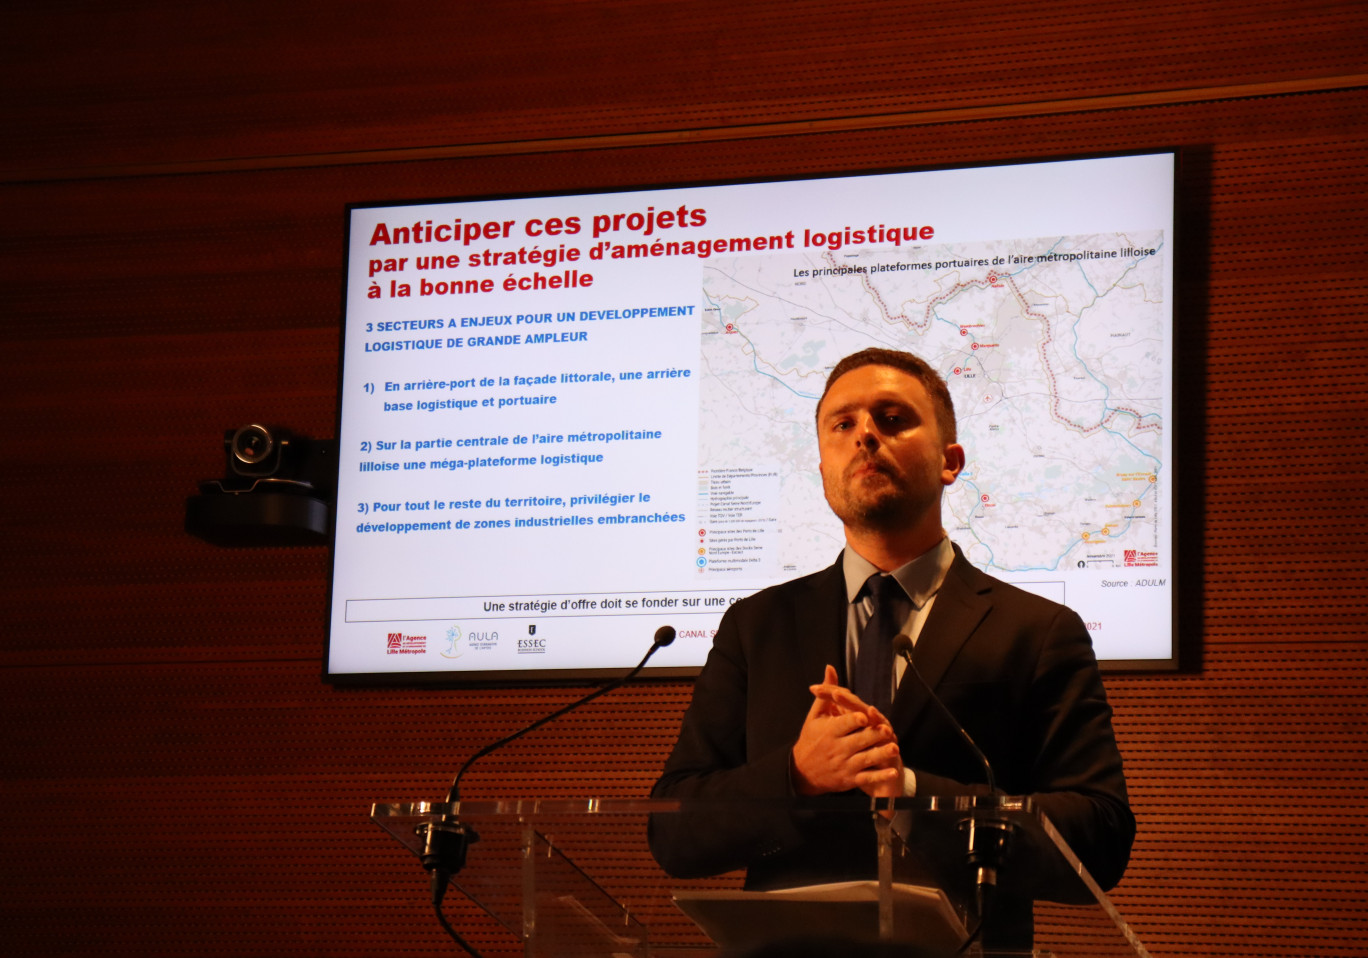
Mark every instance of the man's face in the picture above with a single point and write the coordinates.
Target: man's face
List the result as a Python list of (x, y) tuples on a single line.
[(883, 460)]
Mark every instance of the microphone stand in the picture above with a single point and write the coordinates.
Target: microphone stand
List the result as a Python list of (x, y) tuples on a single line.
[(987, 839), (447, 840)]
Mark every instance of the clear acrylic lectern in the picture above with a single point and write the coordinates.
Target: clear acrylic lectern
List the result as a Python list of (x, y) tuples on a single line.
[(927, 892)]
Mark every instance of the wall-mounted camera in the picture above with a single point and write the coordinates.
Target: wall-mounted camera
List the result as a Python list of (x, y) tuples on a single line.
[(277, 489), (254, 450), (270, 458)]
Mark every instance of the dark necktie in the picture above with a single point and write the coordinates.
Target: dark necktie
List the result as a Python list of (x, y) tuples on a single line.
[(874, 663)]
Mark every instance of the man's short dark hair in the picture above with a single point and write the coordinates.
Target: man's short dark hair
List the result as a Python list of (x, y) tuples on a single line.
[(915, 367)]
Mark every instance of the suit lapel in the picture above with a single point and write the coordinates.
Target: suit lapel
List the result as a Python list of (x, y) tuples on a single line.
[(963, 600), (813, 617)]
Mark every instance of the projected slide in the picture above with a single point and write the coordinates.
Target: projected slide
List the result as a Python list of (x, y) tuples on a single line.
[(567, 420)]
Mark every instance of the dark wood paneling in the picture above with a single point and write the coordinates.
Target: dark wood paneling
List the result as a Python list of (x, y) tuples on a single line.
[(149, 81), (178, 778)]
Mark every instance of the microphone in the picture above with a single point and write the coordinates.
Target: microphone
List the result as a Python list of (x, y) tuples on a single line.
[(902, 645)]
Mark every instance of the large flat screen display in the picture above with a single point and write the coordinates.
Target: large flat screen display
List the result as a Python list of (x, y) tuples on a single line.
[(567, 420)]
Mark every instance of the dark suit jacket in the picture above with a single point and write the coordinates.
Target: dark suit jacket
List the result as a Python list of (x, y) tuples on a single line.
[(1016, 670)]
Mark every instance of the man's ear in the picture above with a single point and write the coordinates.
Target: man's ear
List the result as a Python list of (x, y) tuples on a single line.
[(954, 463)]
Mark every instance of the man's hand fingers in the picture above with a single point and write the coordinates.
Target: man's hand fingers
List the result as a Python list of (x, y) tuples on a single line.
[(880, 753), (839, 696), (877, 776), (844, 744)]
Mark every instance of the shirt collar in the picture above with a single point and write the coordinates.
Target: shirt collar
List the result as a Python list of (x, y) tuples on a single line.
[(921, 578)]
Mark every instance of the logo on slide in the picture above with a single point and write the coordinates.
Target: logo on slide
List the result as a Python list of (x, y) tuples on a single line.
[(397, 643), (453, 649)]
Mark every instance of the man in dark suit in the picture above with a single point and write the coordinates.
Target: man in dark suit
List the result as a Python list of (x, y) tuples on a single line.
[(774, 714)]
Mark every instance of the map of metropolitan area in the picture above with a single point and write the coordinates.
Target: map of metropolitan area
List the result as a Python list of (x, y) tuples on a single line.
[(1055, 353)]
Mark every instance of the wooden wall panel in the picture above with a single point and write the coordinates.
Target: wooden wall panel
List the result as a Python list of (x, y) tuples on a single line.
[(152, 82), (175, 775)]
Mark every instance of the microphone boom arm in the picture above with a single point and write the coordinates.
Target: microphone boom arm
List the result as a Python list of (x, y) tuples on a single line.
[(663, 637)]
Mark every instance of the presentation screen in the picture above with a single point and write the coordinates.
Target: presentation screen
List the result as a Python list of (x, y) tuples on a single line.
[(567, 420)]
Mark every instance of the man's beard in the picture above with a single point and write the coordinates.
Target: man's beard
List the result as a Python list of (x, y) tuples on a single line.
[(882, 502)]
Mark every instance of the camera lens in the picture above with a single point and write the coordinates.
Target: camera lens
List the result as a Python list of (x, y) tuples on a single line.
[(252, 444)]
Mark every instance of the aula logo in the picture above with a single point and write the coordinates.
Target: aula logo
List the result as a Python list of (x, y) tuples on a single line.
[(481, 641)]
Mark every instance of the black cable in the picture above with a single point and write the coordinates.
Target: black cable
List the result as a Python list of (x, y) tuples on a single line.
[(974, 936), (439, 881)]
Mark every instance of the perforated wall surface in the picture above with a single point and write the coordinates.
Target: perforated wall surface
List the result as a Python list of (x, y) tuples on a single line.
[(176, 777)]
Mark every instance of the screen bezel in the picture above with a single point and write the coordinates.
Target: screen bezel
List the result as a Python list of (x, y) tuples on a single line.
[(580, 676)]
